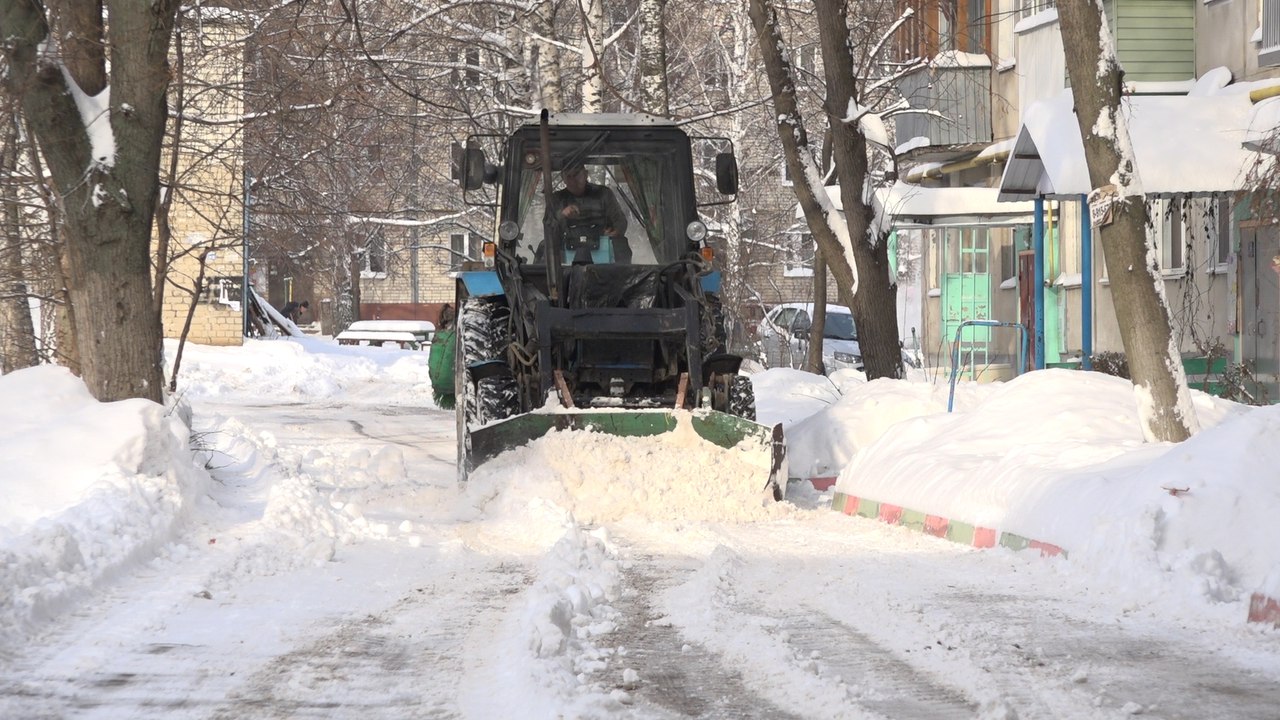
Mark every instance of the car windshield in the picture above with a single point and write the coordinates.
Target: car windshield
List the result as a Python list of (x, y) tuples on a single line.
[(839, 326)]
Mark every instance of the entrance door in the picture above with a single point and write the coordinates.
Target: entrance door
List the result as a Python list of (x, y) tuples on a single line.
[(966, 292), (1260, 291)]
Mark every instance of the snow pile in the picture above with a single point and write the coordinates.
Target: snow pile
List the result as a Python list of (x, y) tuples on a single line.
[(1075, 472), (602, 478), (788, 396), (303, 367), (123, 484)]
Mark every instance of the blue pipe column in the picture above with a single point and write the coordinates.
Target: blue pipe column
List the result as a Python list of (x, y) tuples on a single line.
[(1037, 243), (1086, 285)]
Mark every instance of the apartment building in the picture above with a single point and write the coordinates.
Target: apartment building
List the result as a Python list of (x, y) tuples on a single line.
[(1198, 83)]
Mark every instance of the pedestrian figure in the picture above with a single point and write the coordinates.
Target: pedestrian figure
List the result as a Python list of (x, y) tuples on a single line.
[(293, 310)]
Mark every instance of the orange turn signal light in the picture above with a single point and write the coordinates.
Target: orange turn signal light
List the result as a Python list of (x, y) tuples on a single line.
[(708, 254), (490, 249)]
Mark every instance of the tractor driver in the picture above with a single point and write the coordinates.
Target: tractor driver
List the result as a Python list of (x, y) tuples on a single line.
[(584, 200)]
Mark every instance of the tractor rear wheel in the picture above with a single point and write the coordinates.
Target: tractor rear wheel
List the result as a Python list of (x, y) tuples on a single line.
[(742, 397), (483, 336)]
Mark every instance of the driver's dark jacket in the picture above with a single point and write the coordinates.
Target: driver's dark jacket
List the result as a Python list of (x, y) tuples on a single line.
[(597, 205)]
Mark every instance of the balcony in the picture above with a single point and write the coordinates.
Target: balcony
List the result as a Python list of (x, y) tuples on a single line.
[(956, 91)]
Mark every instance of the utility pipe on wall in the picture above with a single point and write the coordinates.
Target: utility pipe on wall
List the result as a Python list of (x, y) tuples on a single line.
[(1086, 285), (1037, 243)]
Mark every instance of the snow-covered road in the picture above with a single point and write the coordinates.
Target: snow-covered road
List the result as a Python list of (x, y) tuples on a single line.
[(338, 572)]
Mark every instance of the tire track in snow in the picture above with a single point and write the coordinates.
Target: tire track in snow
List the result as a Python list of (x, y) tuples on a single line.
[(675, 674), (398, 664), (880, 681), (1120, 665)]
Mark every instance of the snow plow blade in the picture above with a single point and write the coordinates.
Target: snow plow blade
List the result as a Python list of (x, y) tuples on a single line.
[(721, 429)]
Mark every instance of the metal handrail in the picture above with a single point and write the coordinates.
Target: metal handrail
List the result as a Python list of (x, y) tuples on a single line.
[(955, 351)]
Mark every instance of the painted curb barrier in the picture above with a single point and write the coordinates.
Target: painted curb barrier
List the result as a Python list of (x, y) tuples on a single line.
[(940, 527), (1262, 608), (821, 484)]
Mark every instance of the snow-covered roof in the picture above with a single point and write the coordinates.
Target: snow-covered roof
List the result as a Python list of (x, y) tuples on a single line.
[(1183, 145), (907, 203)]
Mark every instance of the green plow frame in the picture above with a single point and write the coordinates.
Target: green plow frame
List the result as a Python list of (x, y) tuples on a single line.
[(718, 428)]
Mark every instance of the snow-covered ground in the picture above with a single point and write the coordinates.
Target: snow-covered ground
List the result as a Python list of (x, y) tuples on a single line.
[(314, 556)]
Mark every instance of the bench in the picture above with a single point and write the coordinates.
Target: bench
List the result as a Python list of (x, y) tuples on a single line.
[(410, 340), (412, 334)]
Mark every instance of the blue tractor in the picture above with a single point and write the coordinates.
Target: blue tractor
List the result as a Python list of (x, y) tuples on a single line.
[(597, 307)]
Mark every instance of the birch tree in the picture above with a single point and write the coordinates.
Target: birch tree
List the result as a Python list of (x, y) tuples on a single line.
[(654, 97), (100, 130), (1155, 364)]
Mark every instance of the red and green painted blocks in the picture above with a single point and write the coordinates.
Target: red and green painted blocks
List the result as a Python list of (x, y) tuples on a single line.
[(938, 526)]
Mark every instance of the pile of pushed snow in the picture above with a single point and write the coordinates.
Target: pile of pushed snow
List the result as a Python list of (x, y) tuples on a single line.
[(307, 368), (88, 487), (602, 478)]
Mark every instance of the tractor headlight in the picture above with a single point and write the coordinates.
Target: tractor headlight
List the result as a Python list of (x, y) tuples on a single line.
[(696, 231), (508, 230)]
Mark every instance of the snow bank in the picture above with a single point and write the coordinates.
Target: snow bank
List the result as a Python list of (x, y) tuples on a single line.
[(76, 511), (1157, 518)]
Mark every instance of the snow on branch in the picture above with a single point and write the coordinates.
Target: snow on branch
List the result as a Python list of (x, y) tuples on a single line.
[(907, 14)]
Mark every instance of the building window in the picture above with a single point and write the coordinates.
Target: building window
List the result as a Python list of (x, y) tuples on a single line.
[(1017, 240), (375, 255), (1031, 7), (1220, 238), (1168, 231), (460, 244), (466, 70), (963, 25), (798, 254), (1269, 47)]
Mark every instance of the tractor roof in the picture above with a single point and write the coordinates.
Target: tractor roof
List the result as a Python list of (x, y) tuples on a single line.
[(606, 119)]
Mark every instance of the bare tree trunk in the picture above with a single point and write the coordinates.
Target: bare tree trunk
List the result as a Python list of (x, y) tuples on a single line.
[(52, 256), (108, 193), (854, 246), (17, 334), (653, 58), (1155, 365), (875, 300), (186, 324), (823, 219)]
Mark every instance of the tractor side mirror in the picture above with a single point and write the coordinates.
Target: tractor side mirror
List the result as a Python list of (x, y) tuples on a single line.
[(726, 173), (473, 169)]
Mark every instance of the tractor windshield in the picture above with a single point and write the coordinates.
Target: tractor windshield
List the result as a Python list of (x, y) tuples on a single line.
[(617, 199)]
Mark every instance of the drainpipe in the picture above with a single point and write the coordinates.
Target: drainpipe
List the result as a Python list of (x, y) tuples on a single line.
[(1037, 243), (1086, 285)]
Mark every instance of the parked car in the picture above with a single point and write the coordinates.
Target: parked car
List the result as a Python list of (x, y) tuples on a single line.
[(784, 334)]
